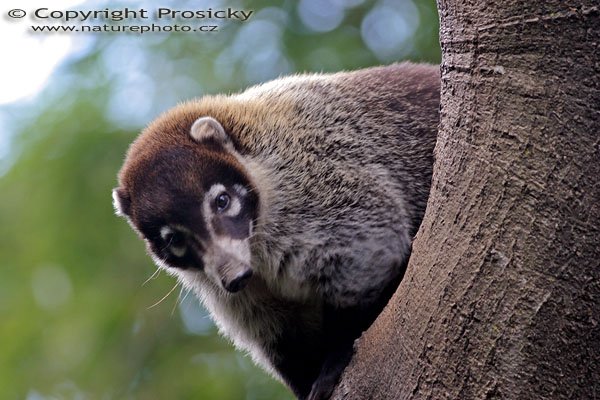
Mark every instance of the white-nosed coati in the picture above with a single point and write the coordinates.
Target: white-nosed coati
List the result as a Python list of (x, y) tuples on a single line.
[(289, 209)]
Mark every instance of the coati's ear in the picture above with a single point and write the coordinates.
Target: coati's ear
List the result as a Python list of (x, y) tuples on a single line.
[(206, 128), (121, 202)]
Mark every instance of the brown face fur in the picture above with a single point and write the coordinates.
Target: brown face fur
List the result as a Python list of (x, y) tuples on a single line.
[(190, 199)]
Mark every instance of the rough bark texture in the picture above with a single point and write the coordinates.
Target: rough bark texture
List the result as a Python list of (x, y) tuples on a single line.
[(501, 299)]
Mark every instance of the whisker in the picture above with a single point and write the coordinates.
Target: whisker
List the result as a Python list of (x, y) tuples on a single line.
[(153, 276), (164, 258), (164, 297), (178, 301), (186, 294), (250, 189), (167, 244)]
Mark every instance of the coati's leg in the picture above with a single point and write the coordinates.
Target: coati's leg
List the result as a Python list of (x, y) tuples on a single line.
[(300, 364), (340, 331), (342, 327)]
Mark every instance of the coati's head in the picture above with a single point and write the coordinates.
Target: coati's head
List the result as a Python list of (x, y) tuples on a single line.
[(184, 190)]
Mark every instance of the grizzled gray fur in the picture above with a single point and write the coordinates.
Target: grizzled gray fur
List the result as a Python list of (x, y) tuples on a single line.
[(289, 209)]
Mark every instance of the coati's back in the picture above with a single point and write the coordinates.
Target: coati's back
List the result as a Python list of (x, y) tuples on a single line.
[(290, 208)]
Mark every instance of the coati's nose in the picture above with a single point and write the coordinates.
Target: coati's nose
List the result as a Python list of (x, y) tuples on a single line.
[(239, 281)]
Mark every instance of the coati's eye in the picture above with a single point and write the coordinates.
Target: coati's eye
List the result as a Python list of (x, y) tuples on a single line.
[(222, 201), (175, 241)]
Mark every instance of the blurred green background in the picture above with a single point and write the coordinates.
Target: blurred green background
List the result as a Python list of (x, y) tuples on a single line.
[(77, 290)]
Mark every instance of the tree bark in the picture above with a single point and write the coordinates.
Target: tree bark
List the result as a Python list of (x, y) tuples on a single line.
[(501, 299)]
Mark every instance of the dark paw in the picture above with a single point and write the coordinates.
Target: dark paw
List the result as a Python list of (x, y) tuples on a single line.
[(321, 389)]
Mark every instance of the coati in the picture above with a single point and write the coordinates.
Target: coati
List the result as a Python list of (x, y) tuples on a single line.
[(289, 208)]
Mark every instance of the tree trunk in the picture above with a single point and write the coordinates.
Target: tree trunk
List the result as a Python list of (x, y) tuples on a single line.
[(501, 299)]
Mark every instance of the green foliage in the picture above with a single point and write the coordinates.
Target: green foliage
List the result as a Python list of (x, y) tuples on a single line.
[(75, 312)]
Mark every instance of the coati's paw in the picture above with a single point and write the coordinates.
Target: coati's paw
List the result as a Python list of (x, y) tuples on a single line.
[(322, 388)]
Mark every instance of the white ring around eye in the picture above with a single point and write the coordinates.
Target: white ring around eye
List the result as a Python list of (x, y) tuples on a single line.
[(241, 190), (234, 207), (165, 231), (234, 203), (178, 251), (214, 191)]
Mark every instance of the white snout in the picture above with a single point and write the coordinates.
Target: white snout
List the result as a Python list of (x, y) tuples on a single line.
[(227, 263)]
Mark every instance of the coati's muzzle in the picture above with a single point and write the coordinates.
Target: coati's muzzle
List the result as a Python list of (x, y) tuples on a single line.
[(224, 260), (229, 264)]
